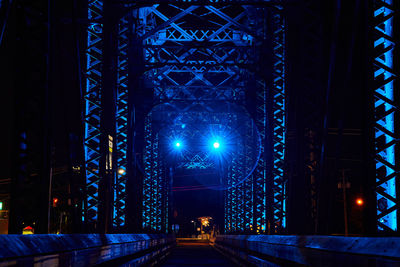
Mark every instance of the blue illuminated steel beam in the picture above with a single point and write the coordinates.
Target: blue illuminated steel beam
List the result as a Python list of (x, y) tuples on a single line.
[(260, 173), (147, 212), (250, 194), (279, 123), (271, 195), (92, 112), (119, 207), (386, 108), (239, 214), (155, 191)]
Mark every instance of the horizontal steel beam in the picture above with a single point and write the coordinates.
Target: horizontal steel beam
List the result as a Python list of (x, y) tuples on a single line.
[(143, 3)]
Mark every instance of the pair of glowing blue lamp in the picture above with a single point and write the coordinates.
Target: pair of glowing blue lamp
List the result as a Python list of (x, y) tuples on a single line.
[(215, 145)]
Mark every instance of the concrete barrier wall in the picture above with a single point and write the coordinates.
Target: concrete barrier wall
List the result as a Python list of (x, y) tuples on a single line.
[(271, 250), (81, 249)]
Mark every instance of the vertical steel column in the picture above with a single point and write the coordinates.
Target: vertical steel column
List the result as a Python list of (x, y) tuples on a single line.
[(93, 110), (147, 179), (270, 183), (279, 121), (154, 183), (386, 112), (119, 212), (248, 191), (260, 173)]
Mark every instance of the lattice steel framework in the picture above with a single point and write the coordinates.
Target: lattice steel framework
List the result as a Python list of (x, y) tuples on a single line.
[(119, 214), (260, 173), (92, 112), (279, 122), (154, 183), (249, 195), (386, 108), (194, 65), (232, 216)]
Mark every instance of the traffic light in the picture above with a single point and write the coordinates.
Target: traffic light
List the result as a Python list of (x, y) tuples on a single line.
[(55, 201), (359, 201)]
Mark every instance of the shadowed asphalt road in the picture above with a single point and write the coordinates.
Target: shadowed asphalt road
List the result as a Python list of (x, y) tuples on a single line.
[(191, 252)]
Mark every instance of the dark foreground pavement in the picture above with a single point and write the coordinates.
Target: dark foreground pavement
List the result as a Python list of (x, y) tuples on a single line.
[(195, 253)]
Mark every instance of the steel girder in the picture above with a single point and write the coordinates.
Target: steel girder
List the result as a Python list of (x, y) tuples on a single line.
[(92, 119), (92, 112), (249, 192), (187, 83), (119, 207), (279, 124), (148, 198), (271, 93), (189, 55), (239, 192), (386, 110), (154, 184), (235, 197), (260, 173)]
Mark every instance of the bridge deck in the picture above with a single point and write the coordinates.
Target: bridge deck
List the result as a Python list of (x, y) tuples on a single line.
[(191, 252)]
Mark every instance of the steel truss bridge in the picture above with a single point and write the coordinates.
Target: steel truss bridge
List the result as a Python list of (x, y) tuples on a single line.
[(162, 69), (194, 56)]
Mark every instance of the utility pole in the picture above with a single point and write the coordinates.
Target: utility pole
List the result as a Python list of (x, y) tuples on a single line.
[(344, 185)]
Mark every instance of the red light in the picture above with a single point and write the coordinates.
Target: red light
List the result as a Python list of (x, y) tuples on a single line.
[(55, 201), (359, 201)]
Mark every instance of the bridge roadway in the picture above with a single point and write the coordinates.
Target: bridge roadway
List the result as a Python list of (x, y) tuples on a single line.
[(148, 249), (195, 252)]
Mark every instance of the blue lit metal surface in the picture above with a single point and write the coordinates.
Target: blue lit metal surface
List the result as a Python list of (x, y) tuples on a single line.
[(92, 112), (119, 214), (260, 173), (385, 108), (154, 182), (279, 125)]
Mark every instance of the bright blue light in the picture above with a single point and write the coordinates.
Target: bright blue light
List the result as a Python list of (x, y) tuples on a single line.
[(216, 145), (177, 144)]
